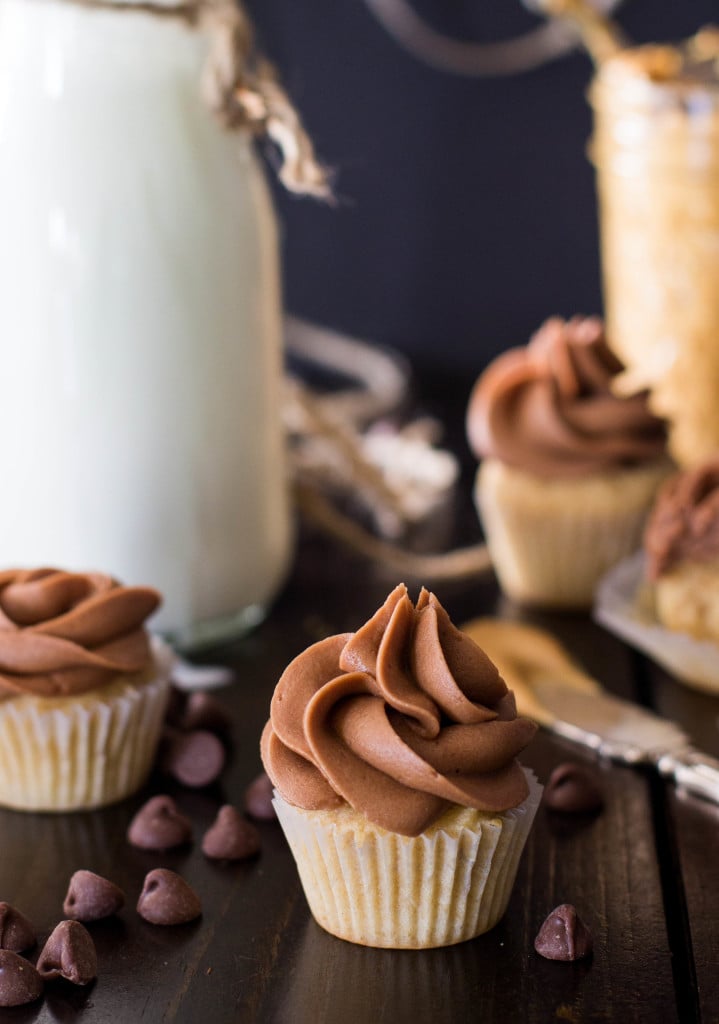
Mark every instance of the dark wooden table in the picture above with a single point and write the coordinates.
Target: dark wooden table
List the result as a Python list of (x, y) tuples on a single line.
[(643, 873)]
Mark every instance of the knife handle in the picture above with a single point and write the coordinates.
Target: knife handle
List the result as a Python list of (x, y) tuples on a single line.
[(693, 771)]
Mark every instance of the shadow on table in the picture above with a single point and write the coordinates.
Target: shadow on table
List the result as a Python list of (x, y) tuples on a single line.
[(335, 980)]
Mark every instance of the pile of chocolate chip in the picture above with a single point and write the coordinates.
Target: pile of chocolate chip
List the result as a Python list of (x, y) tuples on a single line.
[(160, 825), (193, 752), (69, 952), (194, 739)]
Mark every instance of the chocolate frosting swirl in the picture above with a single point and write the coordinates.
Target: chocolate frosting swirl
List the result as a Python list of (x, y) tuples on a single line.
[(65, 633), (684, 524), (399, 720), (549, 408)]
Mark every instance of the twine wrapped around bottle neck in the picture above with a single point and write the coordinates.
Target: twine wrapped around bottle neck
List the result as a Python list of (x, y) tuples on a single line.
[(239, 85)]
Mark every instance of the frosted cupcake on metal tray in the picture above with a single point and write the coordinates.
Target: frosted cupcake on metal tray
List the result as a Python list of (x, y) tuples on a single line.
[(681, 542), (664, 599)]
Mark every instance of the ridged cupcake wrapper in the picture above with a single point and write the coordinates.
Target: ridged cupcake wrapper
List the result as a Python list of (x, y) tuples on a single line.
[(623, 605), (554, 557), (81, 754), (377, 888)]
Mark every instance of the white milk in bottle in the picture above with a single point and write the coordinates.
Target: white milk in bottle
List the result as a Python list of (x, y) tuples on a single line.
[(139, 319)]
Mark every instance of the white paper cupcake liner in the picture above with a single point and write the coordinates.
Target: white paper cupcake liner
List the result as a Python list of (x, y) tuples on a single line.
[(551, 542), (624, 606), (62, 754), (377, 888)]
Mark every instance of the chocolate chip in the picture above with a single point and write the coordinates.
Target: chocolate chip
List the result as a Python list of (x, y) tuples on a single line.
[(19, 981), (573, 789), (231, 837), (69, 953), (194, 758), (203, 711), (167, 899), (176, 704), (563, 936), (258, 799), (91, 897), (159, 825), (16, 932)]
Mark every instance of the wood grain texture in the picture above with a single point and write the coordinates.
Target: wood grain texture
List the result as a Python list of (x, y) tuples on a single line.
[(256, 955), (688, 845), (695, 827)]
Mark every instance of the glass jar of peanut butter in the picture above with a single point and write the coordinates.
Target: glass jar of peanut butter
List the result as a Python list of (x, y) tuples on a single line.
[(656, 152)]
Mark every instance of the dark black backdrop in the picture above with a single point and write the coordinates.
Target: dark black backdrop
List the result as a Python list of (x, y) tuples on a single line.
[(467, 209)]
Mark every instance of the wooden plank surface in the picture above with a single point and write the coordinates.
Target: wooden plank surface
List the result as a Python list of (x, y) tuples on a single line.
[(691, 849), (695, 855), (256, 955)]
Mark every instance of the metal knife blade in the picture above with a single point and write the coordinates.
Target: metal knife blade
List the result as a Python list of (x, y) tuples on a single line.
[(615, 728), (551, 688)]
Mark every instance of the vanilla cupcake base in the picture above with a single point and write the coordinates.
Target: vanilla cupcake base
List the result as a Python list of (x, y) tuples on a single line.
[(76, 753), (377, 888), (687, 600), (551, 541)]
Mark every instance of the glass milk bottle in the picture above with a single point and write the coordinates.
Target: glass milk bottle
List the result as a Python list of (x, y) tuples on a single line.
[(139, 318)]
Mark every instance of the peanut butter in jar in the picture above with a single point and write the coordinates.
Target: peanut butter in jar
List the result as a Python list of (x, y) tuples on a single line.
[(656, 152)]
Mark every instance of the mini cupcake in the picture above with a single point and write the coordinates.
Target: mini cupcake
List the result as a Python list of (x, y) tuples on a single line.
[(393, 755), (681, 542), (82, 690), (569, 470)]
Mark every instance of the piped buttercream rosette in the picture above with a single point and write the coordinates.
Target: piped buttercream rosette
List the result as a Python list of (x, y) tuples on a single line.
[(399, 720), (549, 409), (65, 633)]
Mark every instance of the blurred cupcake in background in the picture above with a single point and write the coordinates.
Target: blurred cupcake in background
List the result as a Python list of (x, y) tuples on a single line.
[(569, 470), (681, 542)]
